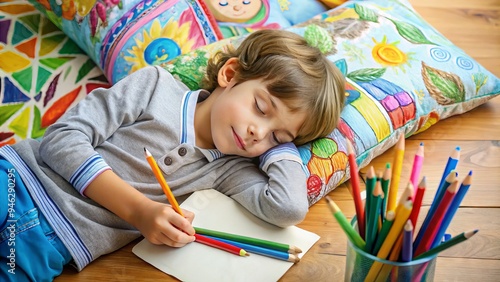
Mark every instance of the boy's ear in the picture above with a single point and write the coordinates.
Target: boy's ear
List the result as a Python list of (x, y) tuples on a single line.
[(227, 72)]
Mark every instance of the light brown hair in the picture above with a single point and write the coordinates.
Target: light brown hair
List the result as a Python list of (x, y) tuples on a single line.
[(297, 73)]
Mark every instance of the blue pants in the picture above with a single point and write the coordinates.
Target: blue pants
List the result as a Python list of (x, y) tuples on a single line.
[(29, 247)]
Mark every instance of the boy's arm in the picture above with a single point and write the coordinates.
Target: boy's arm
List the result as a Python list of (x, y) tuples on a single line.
[(276, 193), (158, 222), (68, 148)]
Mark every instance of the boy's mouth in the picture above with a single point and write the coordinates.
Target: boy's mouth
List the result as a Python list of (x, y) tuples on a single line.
[(239, 142)]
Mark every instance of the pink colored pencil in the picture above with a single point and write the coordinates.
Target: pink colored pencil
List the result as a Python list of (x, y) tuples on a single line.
[(418, 161), (360, 212), (433, 227)]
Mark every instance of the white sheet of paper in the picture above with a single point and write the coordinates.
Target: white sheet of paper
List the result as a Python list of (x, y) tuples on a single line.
[(198, 262)]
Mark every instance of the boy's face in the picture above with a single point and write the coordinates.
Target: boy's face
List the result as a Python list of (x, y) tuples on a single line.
[(247, 120)]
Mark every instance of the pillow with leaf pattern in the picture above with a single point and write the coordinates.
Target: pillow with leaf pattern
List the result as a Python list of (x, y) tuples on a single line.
[(402, 77)]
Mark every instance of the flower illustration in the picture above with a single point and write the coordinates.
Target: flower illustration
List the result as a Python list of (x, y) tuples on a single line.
[(160, 44)]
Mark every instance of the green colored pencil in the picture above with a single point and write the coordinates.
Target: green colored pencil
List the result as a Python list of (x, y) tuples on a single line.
[(353, 236), (371, 181), (386, 180), (249, 240), (372, 224), (447, 244), (386, 226)]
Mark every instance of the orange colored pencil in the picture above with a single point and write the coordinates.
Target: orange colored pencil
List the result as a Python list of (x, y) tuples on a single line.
[(429, 234), (360, 213), (173, 202), (163, 182)]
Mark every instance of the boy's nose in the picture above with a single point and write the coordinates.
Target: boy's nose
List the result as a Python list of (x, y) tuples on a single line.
[(257, 133)]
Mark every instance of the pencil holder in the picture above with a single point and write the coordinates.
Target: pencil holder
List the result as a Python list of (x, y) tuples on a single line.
[(362, 266)]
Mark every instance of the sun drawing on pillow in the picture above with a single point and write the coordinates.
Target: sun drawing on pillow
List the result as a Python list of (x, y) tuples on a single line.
[(389, 55), (160, 44)]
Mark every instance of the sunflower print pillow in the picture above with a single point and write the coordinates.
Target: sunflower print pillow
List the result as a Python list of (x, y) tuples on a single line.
[(122, 36)]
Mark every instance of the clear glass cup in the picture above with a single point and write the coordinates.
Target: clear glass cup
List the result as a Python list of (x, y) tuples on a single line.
[(359, 264)]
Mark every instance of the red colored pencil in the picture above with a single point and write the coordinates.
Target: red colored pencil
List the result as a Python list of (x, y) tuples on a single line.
[(360, 213), (428, 237), (417, 202), (220, 245)]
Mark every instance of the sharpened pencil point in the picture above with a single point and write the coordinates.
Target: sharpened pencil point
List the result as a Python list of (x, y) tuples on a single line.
[(146, 152), (293, 258)]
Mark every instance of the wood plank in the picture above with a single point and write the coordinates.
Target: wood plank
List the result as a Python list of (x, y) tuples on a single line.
[(457, 269)]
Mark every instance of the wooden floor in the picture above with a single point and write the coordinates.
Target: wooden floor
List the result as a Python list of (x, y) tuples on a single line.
[(475, 27)]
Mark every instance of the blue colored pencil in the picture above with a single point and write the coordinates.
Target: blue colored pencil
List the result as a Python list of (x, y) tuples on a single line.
[(407, 247), (452, 209), (260, 250), (452, 176), (451, 164)]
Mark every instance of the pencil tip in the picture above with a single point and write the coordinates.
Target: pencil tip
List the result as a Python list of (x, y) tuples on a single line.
[(293, 258), (458, 148)]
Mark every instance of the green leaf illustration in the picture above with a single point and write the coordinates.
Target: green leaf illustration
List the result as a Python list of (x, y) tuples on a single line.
[(446, 88), (365, 75), (411, 33), (365, 13)]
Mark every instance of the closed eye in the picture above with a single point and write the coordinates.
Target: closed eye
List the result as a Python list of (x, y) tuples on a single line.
[(246, 2), (275, 139), (223, 3), (258, 108)]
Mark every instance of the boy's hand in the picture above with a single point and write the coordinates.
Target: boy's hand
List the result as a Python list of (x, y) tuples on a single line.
[(160, 224)]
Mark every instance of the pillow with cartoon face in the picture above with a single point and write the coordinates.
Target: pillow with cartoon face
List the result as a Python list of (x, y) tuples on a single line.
[(402, 77), (238, 17)]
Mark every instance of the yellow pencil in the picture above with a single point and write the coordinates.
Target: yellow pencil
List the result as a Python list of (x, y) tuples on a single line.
[(397, 166), (163, 182), (402, 215)]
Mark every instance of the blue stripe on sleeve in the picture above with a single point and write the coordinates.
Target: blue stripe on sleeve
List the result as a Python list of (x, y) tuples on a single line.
[(285, 151), (87, 172)]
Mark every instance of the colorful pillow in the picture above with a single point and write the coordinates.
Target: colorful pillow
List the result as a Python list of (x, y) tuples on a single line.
[(402, 77), (43, 72), (122, 36)]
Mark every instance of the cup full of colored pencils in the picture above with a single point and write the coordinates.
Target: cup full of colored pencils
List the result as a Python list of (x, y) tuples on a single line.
[(383, 242)]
